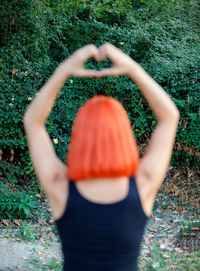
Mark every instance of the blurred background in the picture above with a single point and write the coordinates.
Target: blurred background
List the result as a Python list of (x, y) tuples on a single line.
[(164, 37)]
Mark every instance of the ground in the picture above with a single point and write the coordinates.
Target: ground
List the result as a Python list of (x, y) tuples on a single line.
[(159, 242)]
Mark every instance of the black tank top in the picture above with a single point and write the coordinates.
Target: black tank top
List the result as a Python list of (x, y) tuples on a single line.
[(102, 237)]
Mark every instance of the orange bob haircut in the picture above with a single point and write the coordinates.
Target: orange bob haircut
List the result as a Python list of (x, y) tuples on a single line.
[(102, 141)]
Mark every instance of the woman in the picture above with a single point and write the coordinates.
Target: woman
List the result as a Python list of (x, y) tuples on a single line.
[(102, 199)]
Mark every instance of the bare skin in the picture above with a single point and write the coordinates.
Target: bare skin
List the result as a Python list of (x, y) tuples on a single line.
[(51, 171)]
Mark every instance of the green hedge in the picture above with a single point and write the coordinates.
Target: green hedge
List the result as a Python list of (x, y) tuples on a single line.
[(163, 36)]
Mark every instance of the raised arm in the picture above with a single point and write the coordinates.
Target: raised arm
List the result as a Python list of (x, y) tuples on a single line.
[(155, 162), (49, 168), (153, 166)]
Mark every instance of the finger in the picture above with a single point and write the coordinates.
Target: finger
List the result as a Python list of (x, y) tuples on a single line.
[(102, 53), (89, 51), (88, 73), (114, 71), (109, 50)]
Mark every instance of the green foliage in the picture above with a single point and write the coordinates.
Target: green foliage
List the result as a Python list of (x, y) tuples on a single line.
[(16, 203), (37, 263), (163, 36), (26, 232), (187, 226), (169, 260)]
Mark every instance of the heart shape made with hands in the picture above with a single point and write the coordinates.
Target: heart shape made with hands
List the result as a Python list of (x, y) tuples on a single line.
[(114, 54), (111, 52), (100, 70), (99, 58)]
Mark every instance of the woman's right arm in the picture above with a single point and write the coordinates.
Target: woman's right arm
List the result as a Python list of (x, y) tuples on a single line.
[(154, 164)]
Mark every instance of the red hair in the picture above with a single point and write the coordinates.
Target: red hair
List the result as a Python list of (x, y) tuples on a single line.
[(102, 141)]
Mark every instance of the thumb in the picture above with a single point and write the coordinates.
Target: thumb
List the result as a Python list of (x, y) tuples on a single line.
[(89, 73), (114, 71)]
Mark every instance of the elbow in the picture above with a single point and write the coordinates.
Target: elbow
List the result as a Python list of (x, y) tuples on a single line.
[(177, 114), (174, 117), (28, 120)]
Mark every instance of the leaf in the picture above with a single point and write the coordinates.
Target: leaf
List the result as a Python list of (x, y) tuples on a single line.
[(166, 256), (42, 251), (177, 249), (26, 211), (14, 71), (6, 222), (17, 222)]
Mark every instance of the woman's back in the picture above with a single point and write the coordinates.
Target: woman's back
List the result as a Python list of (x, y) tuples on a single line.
[(101, 235), (100, 232), (103, 191)]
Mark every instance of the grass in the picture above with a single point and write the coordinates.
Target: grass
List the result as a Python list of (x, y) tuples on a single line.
[(157, 261), (37, 264), (170, 260), (26, 233)]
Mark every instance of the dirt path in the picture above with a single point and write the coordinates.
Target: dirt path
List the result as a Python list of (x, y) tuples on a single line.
[(20, 256)]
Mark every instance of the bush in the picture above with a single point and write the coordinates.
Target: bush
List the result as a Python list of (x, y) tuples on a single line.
[(37, 35), (15, 203)]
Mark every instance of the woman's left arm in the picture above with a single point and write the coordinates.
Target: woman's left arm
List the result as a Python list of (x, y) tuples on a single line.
[(48, 167)]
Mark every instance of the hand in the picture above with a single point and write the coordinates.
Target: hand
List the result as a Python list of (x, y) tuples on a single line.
[(122, 62), (74, 65)]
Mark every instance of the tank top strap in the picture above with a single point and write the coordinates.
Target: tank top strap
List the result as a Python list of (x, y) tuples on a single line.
[(71, 185), (68, 203), (132, 193), (72, 190), (131, 184), (134, 190)]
